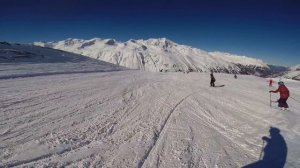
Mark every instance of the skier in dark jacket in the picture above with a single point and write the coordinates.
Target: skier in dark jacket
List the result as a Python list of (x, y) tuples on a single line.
[(212, 79), (284, 95)]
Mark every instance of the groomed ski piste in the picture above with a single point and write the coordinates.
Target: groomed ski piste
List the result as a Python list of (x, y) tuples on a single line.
[(131, 118)]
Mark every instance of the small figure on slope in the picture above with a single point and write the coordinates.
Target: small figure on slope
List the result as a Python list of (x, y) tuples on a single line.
[(212, 79), (235, 76), (270, 82), (284, 95)]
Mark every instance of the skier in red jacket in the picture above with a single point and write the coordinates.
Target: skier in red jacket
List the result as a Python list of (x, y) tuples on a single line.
[(284, 95)]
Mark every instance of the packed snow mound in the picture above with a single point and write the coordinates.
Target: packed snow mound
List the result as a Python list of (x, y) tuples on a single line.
[(142, 119), (159, 55), (18, 60), (293, 73)]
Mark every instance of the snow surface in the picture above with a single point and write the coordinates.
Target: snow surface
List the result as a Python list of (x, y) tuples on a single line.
[(158, 55), (59, 109), (141, 119)]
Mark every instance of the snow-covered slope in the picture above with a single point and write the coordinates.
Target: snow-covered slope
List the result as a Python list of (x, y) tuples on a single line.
[(27, 60), (143, 119), (159, 55), (293, 73)]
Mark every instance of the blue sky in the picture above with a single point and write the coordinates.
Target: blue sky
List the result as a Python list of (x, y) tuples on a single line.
[(268, 30)]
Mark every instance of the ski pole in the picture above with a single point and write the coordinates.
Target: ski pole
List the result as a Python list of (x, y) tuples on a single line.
[(262, 149), (294, 99), (270, 100)]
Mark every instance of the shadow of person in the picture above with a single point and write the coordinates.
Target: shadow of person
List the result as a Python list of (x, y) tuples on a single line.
[(275, 151)]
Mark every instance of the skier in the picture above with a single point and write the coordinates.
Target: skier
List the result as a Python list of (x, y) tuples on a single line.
[(235, 76), (270, 82), (284, 95), (212, 79)]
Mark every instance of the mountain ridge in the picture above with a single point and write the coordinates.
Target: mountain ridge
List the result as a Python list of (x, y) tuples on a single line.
[(160, 55)]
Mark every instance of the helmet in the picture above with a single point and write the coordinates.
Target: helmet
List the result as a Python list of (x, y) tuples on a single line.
[(280, 83)]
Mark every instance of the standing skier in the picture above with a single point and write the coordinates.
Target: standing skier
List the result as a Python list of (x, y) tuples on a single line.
[(212, 79), (284, 95), (235, 76)]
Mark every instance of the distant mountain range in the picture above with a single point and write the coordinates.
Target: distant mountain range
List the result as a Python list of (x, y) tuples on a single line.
[(162, 55), (293, 73), (157, 55)]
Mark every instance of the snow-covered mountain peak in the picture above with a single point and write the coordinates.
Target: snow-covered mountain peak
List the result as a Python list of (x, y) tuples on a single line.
[(72, 41), (110, 41), (159, 55), (161, 42)]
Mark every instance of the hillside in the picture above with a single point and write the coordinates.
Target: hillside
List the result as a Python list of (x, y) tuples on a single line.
[(19, 60), (293, 73), (160, 55)]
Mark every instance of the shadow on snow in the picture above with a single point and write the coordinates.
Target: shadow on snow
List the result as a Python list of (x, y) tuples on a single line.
[(274, 152)]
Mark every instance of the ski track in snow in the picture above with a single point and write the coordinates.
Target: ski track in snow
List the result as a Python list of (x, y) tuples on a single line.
[(141, 119)]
